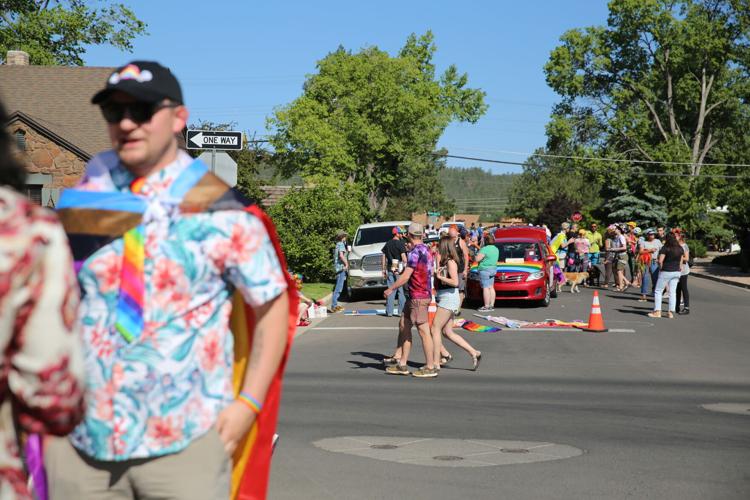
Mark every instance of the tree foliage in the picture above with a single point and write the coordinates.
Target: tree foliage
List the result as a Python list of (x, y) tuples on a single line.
[(374, 120), (488, 193), (663, 81), (57, 31), (308, 219), (544, 182), (647, 210)]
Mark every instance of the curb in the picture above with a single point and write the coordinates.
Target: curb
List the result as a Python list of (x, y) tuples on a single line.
[(720, 280)]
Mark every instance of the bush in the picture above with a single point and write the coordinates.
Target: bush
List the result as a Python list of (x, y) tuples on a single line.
[(307, 220), (697, 248)]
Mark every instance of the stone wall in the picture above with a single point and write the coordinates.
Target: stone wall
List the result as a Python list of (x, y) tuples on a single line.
[(42, 156)]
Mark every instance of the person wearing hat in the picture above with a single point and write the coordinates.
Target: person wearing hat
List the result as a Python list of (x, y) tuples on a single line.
[(648, 252), (393, 261), (418, 274), (161, 246), (340, 268)]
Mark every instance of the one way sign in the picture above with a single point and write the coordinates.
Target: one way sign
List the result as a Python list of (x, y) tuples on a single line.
[(205, 139)]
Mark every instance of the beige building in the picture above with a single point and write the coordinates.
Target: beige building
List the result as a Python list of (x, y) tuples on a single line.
[(57, 129)]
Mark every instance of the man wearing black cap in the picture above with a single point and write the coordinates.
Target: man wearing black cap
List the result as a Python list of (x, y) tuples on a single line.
[(161, 245)]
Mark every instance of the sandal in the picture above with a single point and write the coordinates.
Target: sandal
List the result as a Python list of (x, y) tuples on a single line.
[(476, 360), (444, 360)]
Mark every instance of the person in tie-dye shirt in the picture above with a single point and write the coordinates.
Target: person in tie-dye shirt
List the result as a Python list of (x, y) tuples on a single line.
[(161, 419), (418, 274)]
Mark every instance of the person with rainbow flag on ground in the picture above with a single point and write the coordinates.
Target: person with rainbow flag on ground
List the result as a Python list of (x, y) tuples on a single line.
[(169, 259)]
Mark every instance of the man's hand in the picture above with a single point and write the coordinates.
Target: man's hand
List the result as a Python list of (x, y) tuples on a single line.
[(233, 424), (387, 292)]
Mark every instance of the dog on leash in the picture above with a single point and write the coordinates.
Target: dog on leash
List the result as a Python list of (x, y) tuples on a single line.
[(574, 279)]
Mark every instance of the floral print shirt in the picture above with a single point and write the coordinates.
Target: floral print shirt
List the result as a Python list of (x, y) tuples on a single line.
[(41, 360), (155, 395)]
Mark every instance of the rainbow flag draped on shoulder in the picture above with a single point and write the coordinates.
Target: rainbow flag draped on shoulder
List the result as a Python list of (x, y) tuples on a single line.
[(93, 219)]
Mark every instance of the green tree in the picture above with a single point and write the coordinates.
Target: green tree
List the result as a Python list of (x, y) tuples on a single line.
[(375, 119), (664, 81), (57, 31), (307, 220), (646, 209), (544, 182)]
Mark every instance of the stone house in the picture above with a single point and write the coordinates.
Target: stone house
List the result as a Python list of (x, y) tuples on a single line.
[(57, 129)]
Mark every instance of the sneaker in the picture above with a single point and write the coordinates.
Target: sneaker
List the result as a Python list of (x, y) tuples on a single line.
[(337, 309), (425, 372), (390, 361), (397, 370), (485, 309), (685, 310)]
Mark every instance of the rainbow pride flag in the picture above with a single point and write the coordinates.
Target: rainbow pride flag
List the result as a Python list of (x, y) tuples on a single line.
[(477, 328)]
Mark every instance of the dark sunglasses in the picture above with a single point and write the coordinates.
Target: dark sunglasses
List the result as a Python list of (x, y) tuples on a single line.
[(138, 111)]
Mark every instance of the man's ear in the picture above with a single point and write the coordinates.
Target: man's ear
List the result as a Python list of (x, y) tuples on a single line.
[(181, 116)]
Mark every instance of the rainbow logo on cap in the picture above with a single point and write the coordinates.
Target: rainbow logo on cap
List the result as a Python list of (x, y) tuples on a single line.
[(131, 72)]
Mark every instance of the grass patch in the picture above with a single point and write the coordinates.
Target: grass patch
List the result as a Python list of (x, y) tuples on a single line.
[(316, 291)]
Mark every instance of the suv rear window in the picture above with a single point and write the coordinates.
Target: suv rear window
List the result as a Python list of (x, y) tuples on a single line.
[(526, 251), (372, 235)]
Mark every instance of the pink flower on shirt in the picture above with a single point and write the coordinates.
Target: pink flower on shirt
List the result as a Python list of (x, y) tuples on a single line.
[(107, 270), (212, 351), (164, 431)]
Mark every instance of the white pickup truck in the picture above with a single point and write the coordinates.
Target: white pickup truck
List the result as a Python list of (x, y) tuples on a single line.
[(365, 256)]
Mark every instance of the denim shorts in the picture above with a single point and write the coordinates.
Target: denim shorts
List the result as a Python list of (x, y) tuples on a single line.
[(487, 277), (449, 299)]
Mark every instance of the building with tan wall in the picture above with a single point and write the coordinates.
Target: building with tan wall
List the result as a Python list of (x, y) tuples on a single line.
[(57, 129)]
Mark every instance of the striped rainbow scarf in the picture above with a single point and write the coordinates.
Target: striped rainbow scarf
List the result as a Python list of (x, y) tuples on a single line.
[(130, 301)]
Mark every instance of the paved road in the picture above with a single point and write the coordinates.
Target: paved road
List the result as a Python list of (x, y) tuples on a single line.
[(630, 401)]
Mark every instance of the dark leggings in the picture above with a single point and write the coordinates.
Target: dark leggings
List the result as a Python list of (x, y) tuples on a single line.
[(682, 290)]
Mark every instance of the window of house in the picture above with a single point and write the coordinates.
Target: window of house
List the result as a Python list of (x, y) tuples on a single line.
[(34, 193), (21, 140)]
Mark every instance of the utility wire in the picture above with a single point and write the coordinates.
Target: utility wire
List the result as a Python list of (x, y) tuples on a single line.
[(656, 174), (616, 160)]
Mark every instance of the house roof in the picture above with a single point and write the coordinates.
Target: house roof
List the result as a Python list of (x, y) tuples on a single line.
[(57, 98)]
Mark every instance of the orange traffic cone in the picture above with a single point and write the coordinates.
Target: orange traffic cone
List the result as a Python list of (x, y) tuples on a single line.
[(431, 311), (596, 320)]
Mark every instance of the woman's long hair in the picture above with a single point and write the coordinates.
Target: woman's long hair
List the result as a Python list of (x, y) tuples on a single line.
[(447, 250), (12, 173), (671, 241)]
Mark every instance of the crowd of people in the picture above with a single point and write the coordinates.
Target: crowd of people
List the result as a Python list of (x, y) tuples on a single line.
[(622, 256), (626, 256)]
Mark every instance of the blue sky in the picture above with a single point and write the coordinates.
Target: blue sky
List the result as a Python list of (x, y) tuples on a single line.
[(237, 60)]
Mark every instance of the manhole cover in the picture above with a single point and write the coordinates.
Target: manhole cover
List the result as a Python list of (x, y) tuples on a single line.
[(432, 452), (734, 408)]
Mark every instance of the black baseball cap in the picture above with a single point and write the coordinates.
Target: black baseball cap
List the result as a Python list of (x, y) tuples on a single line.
[(147, 81)]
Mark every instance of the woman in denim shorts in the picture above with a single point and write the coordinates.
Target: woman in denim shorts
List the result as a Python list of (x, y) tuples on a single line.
[(449, 303)]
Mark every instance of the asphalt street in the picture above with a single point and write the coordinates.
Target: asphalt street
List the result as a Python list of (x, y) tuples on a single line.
[(630, 401)]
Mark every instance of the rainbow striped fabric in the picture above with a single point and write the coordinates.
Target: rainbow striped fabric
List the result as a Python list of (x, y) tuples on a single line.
[(477, 328), (526, 267)]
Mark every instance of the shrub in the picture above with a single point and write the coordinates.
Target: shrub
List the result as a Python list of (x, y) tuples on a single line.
[(697, 248), (307, 220)]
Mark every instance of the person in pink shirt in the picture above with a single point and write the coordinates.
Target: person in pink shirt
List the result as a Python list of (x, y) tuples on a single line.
[(582, 246)]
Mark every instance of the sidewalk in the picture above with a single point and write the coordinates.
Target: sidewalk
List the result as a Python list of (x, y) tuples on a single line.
[(314, 321), (704, 268)]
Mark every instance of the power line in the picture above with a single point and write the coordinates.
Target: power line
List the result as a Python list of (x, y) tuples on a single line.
[(598, 158), (655, 174)]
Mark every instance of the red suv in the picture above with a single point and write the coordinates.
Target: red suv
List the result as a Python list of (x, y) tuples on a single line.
[(524, 267)]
